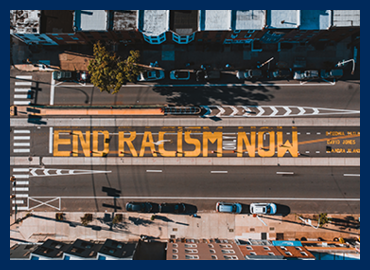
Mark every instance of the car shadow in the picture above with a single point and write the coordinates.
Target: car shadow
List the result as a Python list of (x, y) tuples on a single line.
[(245, 208), (282, 210)]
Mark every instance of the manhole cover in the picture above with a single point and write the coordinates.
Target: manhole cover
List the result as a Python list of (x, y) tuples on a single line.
[(30, 159)]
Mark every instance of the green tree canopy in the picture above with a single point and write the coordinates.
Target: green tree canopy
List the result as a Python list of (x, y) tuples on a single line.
[(108, 72)]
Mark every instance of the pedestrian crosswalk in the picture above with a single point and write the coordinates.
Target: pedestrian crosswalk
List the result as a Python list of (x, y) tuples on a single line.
[(22, 90), (21, 141), (20, 188)]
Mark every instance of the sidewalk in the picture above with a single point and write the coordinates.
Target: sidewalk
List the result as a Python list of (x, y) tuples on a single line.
[(42, 225)]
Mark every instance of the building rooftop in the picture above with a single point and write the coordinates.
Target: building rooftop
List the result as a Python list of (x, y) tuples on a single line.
[(56, 21), (25, 21), (124, 19), (118, 249), (212, 20), (153, 22), (248, 19), (91, 20), (184, 22), (150, 251), (22, 251), (283, 19), (345, 18), (52, 249), (83, 249), (315, 19)]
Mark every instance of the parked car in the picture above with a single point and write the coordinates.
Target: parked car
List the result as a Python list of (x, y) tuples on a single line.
[(263, 208), (249, 74), (332, 74), (199, 75), (212, 74), (83, 76), (306, 75), (223, 207), (143, 207), (180, 75), (61, 75), (176, 208), (150, 75), (281, 74)]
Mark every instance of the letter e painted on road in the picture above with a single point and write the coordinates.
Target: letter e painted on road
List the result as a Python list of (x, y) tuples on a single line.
[(58, 141)]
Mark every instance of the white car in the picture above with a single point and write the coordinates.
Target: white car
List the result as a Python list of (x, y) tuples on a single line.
[(306, 75), (249, 74), (150, 75), (180, 75), (223, 207), (263, 208)]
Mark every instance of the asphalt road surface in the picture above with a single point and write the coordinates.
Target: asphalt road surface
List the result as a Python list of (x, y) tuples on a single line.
[(100, 188)]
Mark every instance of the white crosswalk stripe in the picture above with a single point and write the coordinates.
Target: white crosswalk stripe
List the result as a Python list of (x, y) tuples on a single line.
[(20, 188), (22, 102), (21, 131), (19, 99), (21, 141)]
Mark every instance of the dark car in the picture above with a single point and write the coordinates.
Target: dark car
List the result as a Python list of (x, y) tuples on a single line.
[(176, 208), (281, 74), (61, 75), (249, 74), (143, 207)]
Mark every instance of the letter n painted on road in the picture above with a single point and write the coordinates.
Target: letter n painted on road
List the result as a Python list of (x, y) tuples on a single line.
[(266, 151), (96, 152), (147, 142), (128, 140), (58, 141), (212, 137), (251, 146), (85, 144), (283, 147)]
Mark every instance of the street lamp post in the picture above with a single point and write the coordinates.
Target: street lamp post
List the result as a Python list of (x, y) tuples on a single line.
[(344, 62), (268, 61)]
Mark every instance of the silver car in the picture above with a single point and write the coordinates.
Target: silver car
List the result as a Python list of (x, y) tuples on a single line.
[(249, 74), (150, 75), (263, 208)]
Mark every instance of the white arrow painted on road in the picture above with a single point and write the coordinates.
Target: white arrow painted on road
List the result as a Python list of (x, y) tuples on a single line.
[(59, 172), (301, 110), (235, 110), (222, 110), (248, 111), (261, 111), (274, 111), (288, 111), (315, 111)]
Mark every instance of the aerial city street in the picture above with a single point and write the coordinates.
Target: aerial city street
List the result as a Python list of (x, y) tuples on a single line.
[(138, 134)]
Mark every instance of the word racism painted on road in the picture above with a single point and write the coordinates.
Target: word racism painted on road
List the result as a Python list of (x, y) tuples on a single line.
[(180, 144)]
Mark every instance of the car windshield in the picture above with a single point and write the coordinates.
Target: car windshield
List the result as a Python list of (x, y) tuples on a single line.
[(181, 74), (234, 208)]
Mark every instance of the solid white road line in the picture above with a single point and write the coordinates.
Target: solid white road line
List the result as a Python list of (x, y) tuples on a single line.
[(284, 172), (22, 144), (357, 175), (52, 90), (205, 198), (22, 102), (21, 170), (50, 140), (219, 172), (21, 131), (153, 170), (24, 77), (23, 83), (21, 150), (22, 137)]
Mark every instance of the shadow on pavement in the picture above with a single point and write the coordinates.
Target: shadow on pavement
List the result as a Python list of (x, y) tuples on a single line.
[(140, 221), (282, 210)]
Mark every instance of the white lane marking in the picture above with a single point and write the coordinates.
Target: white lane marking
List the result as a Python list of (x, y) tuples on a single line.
[(288, 111), (219, 172), (307, 152), (21, 150), (22, 137), (21, 176), (308, 133), (222, 110), (153, 170), (318, 133), (21, 183), (247, 110), (23, 83), (301, 110), (20, 189), (21, 96), (207, 198), (22, 90), (21, 195), (317, 152), (22, 131), (21, 170), (22, 102), (235, 110), (315, 111), (22, 144), (50, 140), (356, 175), (284, 172), (24, 77), (52, 90), (59, 172), (17, 202), (274, 111), (20, 208)]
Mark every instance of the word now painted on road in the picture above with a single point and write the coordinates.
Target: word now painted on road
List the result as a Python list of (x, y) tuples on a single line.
[(264, 143)]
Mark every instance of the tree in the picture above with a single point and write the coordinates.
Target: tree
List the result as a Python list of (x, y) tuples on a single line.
[(108, 72)]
